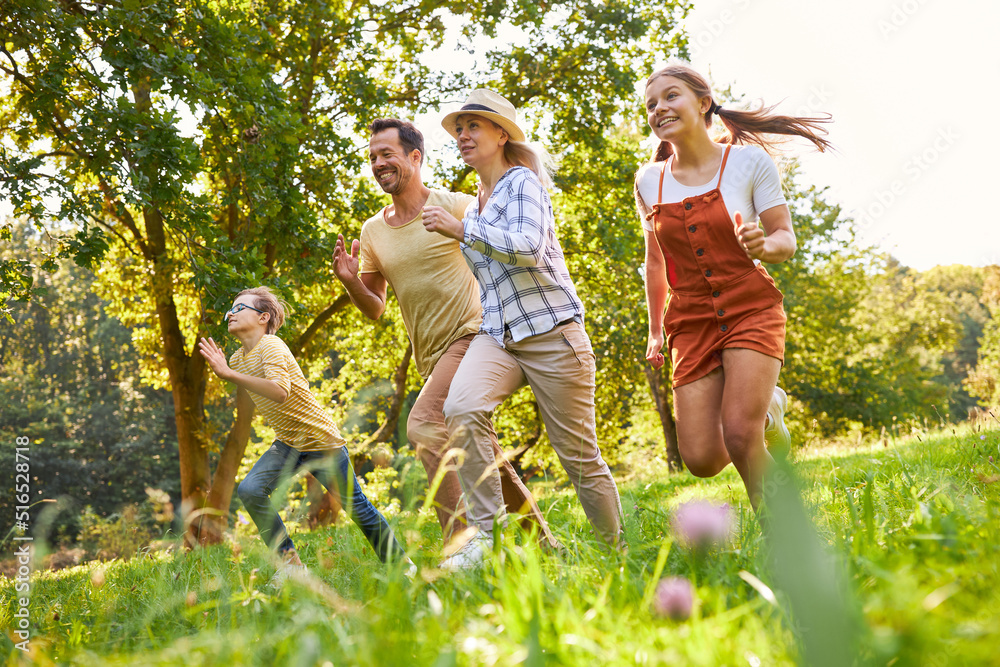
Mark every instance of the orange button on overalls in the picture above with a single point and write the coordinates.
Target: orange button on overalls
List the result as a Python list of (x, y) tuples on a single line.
[(719, 298)]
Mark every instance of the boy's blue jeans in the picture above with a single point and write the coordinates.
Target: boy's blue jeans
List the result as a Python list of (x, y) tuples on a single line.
[(333, 469)]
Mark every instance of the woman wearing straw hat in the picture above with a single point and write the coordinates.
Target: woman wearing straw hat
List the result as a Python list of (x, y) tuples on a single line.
[(532, 331)]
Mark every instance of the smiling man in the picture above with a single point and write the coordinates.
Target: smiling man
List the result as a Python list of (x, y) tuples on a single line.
[(439, 300)]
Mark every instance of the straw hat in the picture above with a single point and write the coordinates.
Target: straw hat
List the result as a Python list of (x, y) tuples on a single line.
[(486, 103)]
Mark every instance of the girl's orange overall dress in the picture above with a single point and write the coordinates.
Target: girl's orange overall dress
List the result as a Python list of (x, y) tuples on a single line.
[(719, 298)]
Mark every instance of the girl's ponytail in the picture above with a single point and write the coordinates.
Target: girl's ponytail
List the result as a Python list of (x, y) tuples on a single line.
[(750, 127), (744, 127)]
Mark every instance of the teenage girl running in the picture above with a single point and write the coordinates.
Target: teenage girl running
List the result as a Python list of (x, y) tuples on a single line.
[(700, 201)]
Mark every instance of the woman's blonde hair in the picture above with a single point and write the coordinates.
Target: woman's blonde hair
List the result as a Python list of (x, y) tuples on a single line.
[(270, 303), (534, 157)]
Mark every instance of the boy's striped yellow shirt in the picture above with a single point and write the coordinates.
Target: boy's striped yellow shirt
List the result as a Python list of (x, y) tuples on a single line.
[(300, 422)]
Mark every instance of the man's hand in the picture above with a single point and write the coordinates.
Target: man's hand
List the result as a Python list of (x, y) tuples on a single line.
[(215, 357), (436, 219), (345, 264), (367, 290)]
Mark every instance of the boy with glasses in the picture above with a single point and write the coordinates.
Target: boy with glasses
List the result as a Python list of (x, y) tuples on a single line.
[(307, 437)]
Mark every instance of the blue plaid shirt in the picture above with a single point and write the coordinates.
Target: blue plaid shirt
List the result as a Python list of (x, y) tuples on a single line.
[(523, 281)]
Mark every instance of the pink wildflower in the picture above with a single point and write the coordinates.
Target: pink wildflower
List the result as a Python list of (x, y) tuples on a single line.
[(674, 598), (702, 524)]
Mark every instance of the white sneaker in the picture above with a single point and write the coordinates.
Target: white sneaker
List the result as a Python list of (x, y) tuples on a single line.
[(776, 435), (471, 554), (411, 569), (285, 572)]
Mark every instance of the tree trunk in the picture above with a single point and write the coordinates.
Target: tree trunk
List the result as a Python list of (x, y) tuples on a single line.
[(518, 454), (388, 427), (193, 454), (214, 520), (659, 386), (187, 372)]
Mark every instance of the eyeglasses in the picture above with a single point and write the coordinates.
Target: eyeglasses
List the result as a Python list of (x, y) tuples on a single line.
[(239, 308)]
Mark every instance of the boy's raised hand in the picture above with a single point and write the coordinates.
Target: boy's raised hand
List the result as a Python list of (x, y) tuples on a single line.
[(215, 357)]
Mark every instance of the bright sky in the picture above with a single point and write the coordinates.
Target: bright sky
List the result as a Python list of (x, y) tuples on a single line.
[(912, 86)]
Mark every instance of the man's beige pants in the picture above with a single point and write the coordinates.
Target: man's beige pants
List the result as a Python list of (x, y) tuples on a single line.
[(559, 366)]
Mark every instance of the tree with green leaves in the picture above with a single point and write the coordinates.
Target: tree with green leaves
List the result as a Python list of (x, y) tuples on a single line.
[(865, 339), (70, 384), (984, 380), (186, 150), (962, 287)]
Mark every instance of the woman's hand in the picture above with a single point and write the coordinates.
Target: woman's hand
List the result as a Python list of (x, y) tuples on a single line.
[(436, 219), (750, 236), (777, 245), (653, 347)]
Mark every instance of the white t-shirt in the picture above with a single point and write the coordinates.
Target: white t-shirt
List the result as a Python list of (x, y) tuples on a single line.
[(750, 184)]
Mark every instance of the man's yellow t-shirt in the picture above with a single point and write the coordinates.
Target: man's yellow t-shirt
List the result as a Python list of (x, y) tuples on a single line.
[(437, 293), (300, 422)]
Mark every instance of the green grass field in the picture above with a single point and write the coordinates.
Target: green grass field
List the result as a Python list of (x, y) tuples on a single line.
[(899, 564)]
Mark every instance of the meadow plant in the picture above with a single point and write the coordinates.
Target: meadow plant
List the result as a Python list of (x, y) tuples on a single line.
[(379, 485), (702, 524), (878, 556), (674, 598), (120, 535)]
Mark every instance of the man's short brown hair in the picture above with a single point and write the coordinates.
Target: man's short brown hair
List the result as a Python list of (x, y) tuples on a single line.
[(409, 136)]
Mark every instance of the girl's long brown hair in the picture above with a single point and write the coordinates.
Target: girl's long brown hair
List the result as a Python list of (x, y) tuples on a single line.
[(744, 127)]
